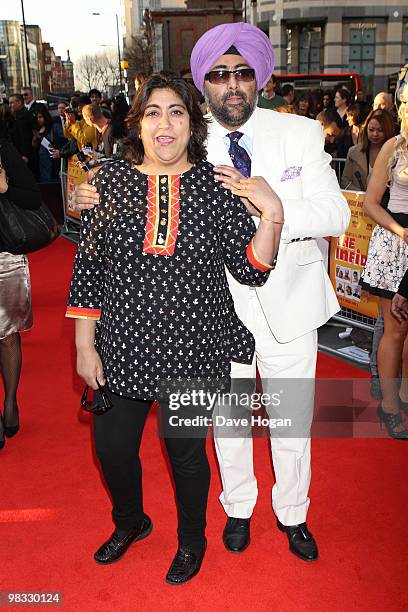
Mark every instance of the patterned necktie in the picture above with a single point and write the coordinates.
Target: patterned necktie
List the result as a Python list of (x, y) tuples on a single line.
[(238, 155)]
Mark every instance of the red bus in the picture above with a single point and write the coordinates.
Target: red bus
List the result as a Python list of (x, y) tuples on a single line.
[(308, 82)]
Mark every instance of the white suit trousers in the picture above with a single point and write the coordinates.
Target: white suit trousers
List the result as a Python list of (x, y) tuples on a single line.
[(291, 455)]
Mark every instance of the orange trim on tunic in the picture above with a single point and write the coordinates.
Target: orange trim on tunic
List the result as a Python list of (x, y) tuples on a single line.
[(156, 242), (254, 259), (75, 312)]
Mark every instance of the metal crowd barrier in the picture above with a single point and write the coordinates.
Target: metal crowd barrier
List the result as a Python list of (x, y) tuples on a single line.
[(355, 319), (337, 163), (346, 316)]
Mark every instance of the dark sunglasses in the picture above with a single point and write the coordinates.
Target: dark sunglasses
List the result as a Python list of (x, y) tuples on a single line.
[(96, 406), (218, 77)]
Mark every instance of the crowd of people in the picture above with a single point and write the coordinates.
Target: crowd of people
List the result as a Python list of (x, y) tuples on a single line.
[(42, 139), (168, 251), (98, 125)]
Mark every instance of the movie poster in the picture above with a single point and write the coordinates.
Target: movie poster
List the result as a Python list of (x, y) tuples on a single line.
[(75, 176), (348, 255)]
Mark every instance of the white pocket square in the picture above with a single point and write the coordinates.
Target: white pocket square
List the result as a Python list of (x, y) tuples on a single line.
[(291, 173)]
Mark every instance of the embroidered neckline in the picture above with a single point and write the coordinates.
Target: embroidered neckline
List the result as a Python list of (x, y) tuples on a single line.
[(163, 213)]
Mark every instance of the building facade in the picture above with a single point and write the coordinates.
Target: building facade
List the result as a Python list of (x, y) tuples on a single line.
[(34, 37), (311, 36), (172, 28), (133, 12), (132, 19), (13, 65), (48, 72), (34, 67), (59, 74), (176, 30), (68, 85)]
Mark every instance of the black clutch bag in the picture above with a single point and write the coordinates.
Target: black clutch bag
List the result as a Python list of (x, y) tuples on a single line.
[(101, 402), (24, 231)]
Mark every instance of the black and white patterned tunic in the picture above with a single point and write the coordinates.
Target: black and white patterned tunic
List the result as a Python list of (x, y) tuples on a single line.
[(150, 269)]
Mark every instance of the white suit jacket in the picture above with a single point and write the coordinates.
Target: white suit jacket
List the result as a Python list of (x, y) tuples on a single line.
[(288, 151)]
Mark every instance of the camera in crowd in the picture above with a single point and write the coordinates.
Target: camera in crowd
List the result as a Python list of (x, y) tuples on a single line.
[(83, 160), (87, 164), (82, 157), (72, 111)]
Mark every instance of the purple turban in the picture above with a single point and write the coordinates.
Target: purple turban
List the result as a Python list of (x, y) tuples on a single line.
[(253, 45)]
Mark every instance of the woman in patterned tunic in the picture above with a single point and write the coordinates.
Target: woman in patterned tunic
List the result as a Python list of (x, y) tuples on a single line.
[(150, 269), (387, 261)]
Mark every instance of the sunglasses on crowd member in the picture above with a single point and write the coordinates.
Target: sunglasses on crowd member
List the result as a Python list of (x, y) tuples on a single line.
[(100, 404), (218, 77)]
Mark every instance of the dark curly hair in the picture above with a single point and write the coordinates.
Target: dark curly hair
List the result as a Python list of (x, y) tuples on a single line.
[(133, 149)]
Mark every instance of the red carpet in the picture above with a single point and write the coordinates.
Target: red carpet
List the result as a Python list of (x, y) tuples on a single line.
[(54, 512)]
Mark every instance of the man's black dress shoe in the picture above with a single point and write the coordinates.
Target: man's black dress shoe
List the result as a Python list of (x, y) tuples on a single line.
[(186, 564), (236, 536), (117, 545), (301, 542)]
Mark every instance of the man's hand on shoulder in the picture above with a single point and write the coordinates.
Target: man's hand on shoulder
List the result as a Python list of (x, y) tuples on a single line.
[(85, 195)]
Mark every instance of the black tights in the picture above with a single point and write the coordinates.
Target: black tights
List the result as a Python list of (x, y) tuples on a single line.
[(117, 435), (10, 362)]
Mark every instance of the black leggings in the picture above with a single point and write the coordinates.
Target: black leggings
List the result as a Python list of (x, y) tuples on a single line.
[(117, 435)]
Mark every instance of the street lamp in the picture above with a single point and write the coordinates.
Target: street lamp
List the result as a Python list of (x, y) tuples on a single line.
[(26, 44), (118, 41)]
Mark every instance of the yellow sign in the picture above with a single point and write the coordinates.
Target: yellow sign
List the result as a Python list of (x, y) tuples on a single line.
[(348, 255), (75, 176), (124, 64)]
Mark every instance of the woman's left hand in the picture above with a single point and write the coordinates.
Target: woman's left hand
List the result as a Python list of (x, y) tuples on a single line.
[(3, 181), (226, 175), (261, 195)]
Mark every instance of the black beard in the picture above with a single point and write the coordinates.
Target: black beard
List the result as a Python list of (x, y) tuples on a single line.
[(230, 118)]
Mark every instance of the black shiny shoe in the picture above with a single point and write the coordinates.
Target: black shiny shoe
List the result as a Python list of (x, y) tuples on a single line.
[(114, 548), (236, 535), (391, 421), (301, 542), (186, 564), (9, 432)]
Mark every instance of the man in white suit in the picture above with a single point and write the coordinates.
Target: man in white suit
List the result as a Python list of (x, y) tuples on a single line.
[(230, 64)]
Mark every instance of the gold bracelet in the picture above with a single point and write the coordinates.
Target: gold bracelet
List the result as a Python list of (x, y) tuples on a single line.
[(272, 221)]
